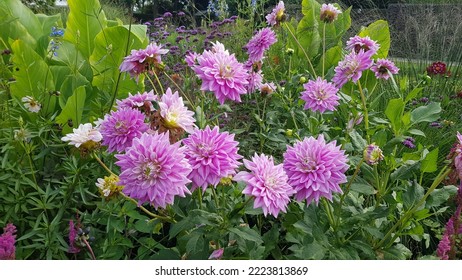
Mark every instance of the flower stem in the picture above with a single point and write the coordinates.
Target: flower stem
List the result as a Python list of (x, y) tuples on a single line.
[(323, 48), (155, 216), (366, 115), (303, 50), (158, 81), (102, 164), (180, 89), (152, 84), (89, 249)]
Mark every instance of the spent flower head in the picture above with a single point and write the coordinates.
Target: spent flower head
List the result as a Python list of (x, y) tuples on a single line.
[(109, 186), (31, 104), (373, 154), (329, 13)]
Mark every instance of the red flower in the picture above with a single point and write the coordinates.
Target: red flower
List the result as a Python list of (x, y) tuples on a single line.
[(438, 68)]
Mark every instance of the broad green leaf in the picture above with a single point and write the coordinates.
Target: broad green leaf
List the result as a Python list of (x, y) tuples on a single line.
[(16, 10), (428, 113), (48, 22), (335, 30), (358, 141), (332, 57), (310, 7), (73, 110), (200, 117), (363, 188), (247, 234), (440, 196), (379, 32), (413, 94), (394, 112), (85, 20), (430, 162), (416, 132), (308, 36), (412, 195)]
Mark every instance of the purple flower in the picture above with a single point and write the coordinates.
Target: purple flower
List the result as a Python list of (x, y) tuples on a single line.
[(259, 43), (73, 249), (351, 67), (7, 241), (221, 73), (383, 68), (368, 46), (138, 101), (174, 113), (409, 142), (212, 155), (458, 158), (153, 170), (217, 254), (140, 61), (167, 15), (436, 124), (320, 95), (267, 183), (121, 127), (444, 247), (329, 13), (181, 14), (315, 168), (277, 15), (254, 80)]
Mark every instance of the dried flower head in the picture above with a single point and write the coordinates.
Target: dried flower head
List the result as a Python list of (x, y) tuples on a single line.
[(31, 104), (109, 186), (329, 13)]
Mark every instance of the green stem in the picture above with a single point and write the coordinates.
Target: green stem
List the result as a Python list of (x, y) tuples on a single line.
[(103, 164), (215, 197), (158, 81), (347, 189), (329, 213), (152, 84), (199, 194), (303, 50), (89, 249), (323, 48), (155, 216), (181, 90), (366, 115)]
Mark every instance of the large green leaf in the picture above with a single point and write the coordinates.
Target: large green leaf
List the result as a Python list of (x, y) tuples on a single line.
[(380, 32), (429, 113), (331, 57), (73, 110), (308, 36), (394, 112), (11, 28), (48, 22), (84, 22), (430, 162), (335, 30), (15, 9)]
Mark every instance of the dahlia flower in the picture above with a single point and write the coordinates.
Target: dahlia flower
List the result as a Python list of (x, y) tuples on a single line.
[(267, 88), (458, 158), (109, 185), (7, 241), (138, 101), (174, 113), (217, 254), (121, 127), (373, 154), (329, 13), (320, 95), (222, 74), (277, 15), (153, 170), (212, 155), (254, 80), (383, 68), (315, 168), (437, 68), (267, 183), (366, 44), (351, 67), (84, 134), (31, 104), (140, 61), (260, 43)]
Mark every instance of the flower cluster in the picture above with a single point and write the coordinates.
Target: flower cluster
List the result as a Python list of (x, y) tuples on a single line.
[(7, 241)]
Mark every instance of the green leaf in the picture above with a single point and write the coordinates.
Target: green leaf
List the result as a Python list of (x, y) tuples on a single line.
[(413, 94), (48, 22), (247, 234), (335, 30), (200, 117), (430, 162), (379, 32), (440, 196), (332, 57), (363, 188), (308, 36), (412, 195), (22, 18), (429, 113), (73, 110), (195, 242), (416, 132), (357, 140), (394, 112)]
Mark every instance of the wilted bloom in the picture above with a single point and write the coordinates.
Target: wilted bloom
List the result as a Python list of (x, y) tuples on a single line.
[(277, 15), (222, 74), (351, 67), (255, 79), (212, 155), (267, 88), (120, 127), (260, 43), (329, 13), (7, 241), (140, 61), (22, 135), (320, 95), (153, 170), (217, 254), (138, 101), (409, 142), (373, 154), (315, 168), (174, 113), (73, 246), (437, 68), (109, 185), (31, 104), (383, 68), (267, 183), (366, 44), (85, 135)]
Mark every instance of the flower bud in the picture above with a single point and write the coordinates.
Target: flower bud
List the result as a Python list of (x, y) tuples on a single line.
[(373, 154)]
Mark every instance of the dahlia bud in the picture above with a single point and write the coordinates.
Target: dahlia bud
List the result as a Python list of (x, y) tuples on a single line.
[(373, 154)]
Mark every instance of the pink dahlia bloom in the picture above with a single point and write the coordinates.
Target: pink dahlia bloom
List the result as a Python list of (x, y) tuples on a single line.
[(212, 155), (121, 127), (366, 44), (7, 241), (217, 254), (83, 134), (153, 170), (138, 101), (140, 61), (329, 13), (174, 113), (277, 15), (222, 74), (315, 168), (351, 67), (383, 68), (255, 81), (267, 183), (260, 43), (458, 158), (191, 58), (320, 95)]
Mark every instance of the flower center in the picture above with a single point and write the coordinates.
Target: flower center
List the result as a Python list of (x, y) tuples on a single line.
[(121, 127), (204, 150), (383, 70), (308, 164), (226, 71), (151, 170)]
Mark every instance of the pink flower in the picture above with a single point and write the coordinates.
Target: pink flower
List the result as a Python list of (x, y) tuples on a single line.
[(267, 183), (277, 15), (138, 101), (73, 249), (140, 61), (438, 68), (222, 74), (212, 155), (174, 113), (383, 68), (191, 58), (458, 158), (329, 13), (7, 241), (444, 247), (260, 43), (351, 67), (366, 44), (121, 127), (82, 135), (217, 254), (153, 170), (320, 95), (315, 168), (255, 81)]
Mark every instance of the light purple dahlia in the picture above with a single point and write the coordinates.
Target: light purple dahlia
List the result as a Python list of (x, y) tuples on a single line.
[(366, 44), (383, 68), (458, 158), (120, 128), (139, 61), (315, 168), (212, 155), (153, 170), (351, 67), (329, 13), (138, 101), (320, 95), (7, 241), (260, 43), (222, 74), (277, 15), (267, 183), (174, 113)]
